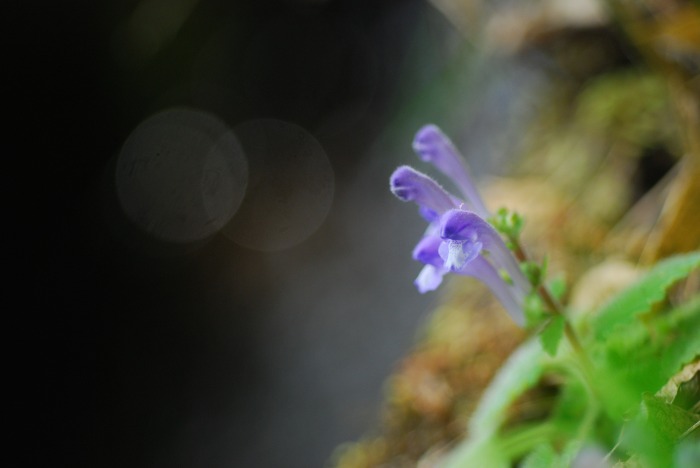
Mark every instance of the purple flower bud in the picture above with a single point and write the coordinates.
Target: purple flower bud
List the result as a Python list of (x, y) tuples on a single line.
[(433, 146), (410, 185)]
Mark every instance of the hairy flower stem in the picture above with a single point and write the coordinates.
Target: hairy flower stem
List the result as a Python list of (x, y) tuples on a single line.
[(556, 309)]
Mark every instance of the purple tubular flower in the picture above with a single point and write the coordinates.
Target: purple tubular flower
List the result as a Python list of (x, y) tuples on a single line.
[(472, 247), (467, 228), (410, 185), (433, 146), (457, 240)]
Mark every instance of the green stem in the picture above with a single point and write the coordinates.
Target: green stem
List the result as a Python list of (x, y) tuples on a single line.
[(556, 309)]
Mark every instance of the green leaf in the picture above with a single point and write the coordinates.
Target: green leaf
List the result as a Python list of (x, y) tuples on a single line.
[(669, 421), (485, 447), (551, 335), (543, 456), (642, 357), (507, 222), (533, 272), (572, 405), (520, 372), (640, 297), (654, 433)]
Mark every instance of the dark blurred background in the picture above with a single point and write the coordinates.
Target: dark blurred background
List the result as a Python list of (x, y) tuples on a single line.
[(218, 350)]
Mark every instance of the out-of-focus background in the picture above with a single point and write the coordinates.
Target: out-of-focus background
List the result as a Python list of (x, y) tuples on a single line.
[(214, 272), (170, 321)]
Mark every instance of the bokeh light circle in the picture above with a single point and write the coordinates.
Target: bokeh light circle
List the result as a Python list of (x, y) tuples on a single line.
[(181, 175), (290, 189)]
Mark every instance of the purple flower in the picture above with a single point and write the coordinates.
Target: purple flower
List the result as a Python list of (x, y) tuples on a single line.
[(434, 147), (457, 240), (470, 246), (466, 228), (410, 185)]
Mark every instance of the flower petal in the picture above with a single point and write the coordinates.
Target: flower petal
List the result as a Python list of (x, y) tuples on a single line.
[(457, 254), (428, 214), (429, 279), (410, 185), (482, 270), (462, 225), (426, 251), (433, 146)]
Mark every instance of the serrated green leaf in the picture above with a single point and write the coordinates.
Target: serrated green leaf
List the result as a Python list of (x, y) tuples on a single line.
[(654, 433), (641, 357), (669, 421), (640, 297), (551, 335)]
